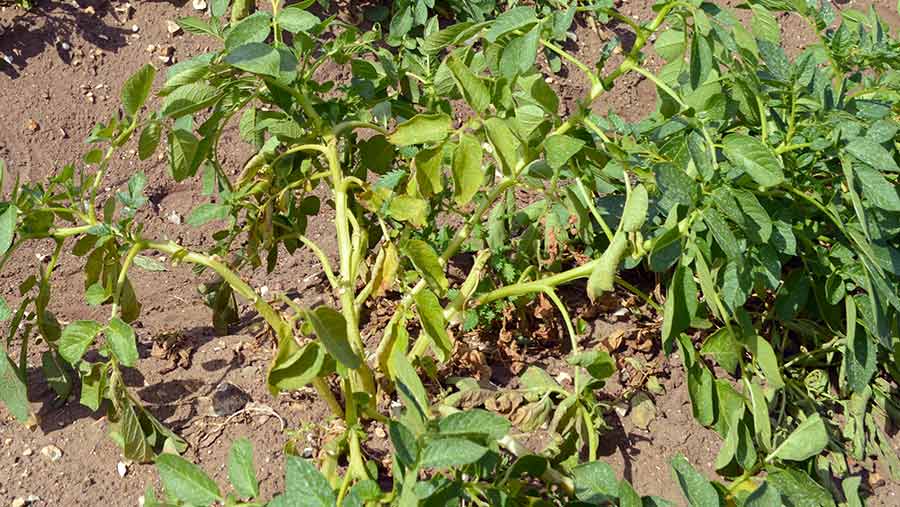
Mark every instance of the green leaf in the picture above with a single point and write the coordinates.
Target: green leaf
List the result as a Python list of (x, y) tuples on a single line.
[(758, 224), (860, 352), (698, 491), (188, 99), (257, 58), (760, 410), (137, 89), (149, 140), (520, 54), (755, 158), (877, 189), (872, 154), (122, 341), (421, 129), (431, 315), (764, 25), (296, 20), (559, 148), (722, 233), (427, 263), (331, 328), (13, 391), (701, 390), (428, 170), (628, 497), (76, 338), (474, 422), (809, 439), (406, 449), (763, 496), (681, 304), (467, 171), (186, 481), (595, 483), (598, 363), (149, 264), (7, 227), (451, 452), (410, 209), (635, 212), (253, 28), (799, 488), (470, 85), (207, 212), (670, 44), (850, 486), (5, 311), (765, 358), (722, 346), (505, 144), (294, 366), (241, 471), (513, 19)]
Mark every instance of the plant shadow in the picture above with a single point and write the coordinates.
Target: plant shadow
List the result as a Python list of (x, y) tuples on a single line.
[(51, 25)]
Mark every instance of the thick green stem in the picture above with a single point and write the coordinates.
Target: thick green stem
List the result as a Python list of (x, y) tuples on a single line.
[(123, 275)]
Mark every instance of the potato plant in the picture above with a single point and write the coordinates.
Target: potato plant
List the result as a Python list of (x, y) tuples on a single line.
[(762, 190)]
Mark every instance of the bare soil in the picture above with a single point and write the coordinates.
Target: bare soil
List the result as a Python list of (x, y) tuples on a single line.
[(68, 62)]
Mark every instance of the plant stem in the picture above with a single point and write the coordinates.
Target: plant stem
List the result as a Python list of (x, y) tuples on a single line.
[(123, 276)]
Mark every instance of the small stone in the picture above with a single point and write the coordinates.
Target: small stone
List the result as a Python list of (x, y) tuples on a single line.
[(121, 468), (27, 452), (52, 452), (172, 27), (228, 399), (379, 432), (65, 46), (307, 453), (199, 5), (151, 48), (90, 10), (32, 499), (135, 28), (643, 411), (18, 502), (264, 292), (63, 133), (174, 218), (33, 125)]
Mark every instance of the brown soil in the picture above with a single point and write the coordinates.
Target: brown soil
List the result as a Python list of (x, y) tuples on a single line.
[(47, 86)]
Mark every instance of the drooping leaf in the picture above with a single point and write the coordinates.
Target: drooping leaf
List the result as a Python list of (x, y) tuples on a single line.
[(331, 328), (431, 315), (428, 264)]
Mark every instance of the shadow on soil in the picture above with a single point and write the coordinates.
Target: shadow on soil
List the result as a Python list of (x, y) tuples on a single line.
[(51, 25)]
